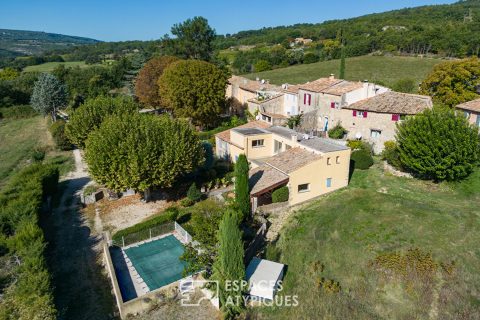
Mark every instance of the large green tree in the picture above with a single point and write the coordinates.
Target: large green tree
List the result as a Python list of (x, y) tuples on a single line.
[(137, 151), (49, 95), (193, 39), (438, 145), (90, 115), (453, 82), (206, 217), (242, 190), (229, 267), (146, 85), (194, 89)]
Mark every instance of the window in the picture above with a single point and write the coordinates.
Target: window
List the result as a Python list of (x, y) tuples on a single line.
[(395, 117), (257, 143), (287, 147), (466, 114), (277, 146), (403, 117), (334, 105), (478, 120), (307, 99), (304, 187), (359, 114), (329, 182), (375, 133), (338, 160), (328, 161)]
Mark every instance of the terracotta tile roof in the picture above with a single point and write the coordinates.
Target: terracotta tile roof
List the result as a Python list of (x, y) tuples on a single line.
[(274, 115), (470, 106), (250, 85), (319, 85), (394, 102), (292, 159), (291, 88), (265, 178), (343, 87), (225, 135)]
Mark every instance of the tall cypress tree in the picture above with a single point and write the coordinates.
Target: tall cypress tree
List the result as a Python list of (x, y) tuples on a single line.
[(242, 191), (342, 63), (229, 266)]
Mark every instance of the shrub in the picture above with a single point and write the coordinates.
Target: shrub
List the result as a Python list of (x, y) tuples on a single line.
[(355, 144), (57, 129), (17, 112), (310, 57), (362, 159), (186, 202), (405, 85), (193, 193), (280, 195), (262, 65), (38, 154), (391, 155), (168, 215), (337, 132), (438, 145)]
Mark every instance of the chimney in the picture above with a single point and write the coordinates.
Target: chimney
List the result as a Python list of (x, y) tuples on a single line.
[(294, 138), (332, 76)]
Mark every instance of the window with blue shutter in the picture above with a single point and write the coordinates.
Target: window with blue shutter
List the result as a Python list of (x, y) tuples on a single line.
[(329, 182)]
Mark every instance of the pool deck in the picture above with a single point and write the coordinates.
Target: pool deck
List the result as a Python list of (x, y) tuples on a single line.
[(131, 281)]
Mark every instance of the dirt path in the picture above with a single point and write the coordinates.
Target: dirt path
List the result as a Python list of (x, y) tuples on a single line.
[(82, 291)]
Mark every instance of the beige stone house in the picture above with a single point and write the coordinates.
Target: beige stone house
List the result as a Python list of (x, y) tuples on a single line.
[(471, 110), (375, 119), (308, 166)]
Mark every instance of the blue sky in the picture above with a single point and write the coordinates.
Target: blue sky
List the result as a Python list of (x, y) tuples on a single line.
[(110, 20)]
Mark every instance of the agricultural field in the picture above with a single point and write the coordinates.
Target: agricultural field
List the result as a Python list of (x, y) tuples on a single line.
[(384, 248), (384, 70), (50, 66)]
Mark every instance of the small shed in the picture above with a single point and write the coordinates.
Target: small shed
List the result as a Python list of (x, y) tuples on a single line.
[(263, 277)]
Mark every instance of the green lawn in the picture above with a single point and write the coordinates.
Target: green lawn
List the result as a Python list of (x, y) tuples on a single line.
[(18, 138), (386, 70), (338, 237), (49, 66)]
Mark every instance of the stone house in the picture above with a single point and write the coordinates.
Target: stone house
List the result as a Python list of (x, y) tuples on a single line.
[(374, 119), (471, 110)]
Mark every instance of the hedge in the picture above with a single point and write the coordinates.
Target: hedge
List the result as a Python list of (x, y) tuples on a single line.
[(362, 159), (280, 195), (17, 112), (170, 214), (27, 287)]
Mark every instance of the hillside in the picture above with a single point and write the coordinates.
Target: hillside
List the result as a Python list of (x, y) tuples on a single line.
[(385, 70), (18, 42), (450, 30)]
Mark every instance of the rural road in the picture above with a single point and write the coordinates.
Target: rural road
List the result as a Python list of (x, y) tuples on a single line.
[(81, 290)]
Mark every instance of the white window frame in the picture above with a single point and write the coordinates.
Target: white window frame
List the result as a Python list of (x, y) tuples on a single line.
[(260, 143)]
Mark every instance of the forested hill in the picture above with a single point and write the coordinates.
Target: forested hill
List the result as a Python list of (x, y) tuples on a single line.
[(19, 42), (451, 30)]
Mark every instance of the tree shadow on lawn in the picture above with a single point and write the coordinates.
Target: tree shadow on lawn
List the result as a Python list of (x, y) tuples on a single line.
[(81, 288)]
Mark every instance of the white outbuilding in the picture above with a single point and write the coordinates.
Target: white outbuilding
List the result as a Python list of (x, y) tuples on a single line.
[(263, 278)]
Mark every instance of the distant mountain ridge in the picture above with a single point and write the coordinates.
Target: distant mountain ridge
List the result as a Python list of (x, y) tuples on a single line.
[(22, 42)]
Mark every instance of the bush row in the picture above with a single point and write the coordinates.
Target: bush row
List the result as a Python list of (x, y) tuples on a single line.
[(26, 281), (170, 214), (17, 112)]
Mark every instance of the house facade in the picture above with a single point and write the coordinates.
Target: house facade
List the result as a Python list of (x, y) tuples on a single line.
[(471, 110), (308, 166), (243, 89)]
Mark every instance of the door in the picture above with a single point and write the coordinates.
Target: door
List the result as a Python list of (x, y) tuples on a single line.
[(325, 128)]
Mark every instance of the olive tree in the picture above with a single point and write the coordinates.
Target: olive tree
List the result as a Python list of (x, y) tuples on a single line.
[(49, 95)]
